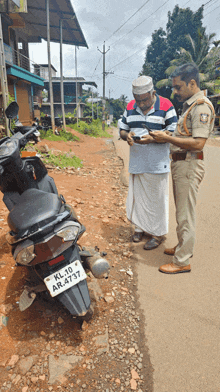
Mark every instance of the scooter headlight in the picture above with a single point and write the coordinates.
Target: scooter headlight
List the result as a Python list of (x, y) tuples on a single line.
[(68, 233), (7, 148), (26, 255)]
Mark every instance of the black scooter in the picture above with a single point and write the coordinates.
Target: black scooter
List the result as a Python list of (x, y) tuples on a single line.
[(47, 123), (44, 230)]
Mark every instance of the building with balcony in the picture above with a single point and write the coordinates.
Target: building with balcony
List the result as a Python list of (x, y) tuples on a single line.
[(71, 99), (23, 23)]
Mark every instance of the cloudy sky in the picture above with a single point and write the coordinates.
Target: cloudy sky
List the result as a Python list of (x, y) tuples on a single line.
[(126, 28)]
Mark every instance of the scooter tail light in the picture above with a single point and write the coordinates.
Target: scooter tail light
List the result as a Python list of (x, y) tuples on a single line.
[(26, 255), (56, 260)]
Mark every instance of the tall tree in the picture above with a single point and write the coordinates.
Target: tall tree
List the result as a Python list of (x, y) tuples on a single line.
[(156, 60), (199, 53), (181, 22), (165, 45)]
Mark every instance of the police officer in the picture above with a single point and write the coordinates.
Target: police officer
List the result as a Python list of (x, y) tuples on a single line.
[(187, 166)]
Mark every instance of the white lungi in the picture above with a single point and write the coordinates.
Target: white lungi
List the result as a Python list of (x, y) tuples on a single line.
[(148, 202)]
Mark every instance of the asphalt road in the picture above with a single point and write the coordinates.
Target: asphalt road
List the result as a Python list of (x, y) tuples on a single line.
[(182, 312)]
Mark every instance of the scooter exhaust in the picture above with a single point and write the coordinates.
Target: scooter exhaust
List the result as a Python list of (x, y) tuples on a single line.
[(99, 266)]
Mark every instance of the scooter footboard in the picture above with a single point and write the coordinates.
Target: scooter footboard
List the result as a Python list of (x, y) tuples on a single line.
[(76, 299)]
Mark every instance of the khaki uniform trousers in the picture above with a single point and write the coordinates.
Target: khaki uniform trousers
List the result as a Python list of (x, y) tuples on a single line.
[(187, 176)]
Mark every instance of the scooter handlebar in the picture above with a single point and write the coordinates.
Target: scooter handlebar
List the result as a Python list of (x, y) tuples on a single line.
[(33, 129), (23, 138)]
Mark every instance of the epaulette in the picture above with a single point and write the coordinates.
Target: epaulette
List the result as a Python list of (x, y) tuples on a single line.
[(199, 101)]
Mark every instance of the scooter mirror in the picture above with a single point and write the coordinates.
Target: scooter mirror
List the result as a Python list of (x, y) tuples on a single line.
[(12, 110)]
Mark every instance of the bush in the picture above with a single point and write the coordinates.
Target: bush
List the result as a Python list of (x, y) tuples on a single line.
[(94, 129), (63, 161), (65, 136)]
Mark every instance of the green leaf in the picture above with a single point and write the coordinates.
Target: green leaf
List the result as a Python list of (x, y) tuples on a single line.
[(163, 83)]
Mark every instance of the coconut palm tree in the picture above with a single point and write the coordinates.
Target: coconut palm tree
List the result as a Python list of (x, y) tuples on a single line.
[(202, 56)]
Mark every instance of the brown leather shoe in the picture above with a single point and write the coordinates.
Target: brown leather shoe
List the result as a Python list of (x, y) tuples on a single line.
[(174, 268), (137, 237), (170, 251)]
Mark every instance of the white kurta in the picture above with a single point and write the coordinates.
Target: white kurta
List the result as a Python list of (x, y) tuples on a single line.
[(148, 202)]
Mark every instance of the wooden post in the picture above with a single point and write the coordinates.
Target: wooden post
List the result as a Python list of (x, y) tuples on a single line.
[(61, 75), (77, 115), (3, 77), (49, 65), (92, 104)]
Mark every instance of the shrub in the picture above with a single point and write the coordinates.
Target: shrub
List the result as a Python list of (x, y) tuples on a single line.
[(65, 136), (94, 129), (63, 161)]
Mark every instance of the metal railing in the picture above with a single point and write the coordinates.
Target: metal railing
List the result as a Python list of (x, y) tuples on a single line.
[(14, 57)]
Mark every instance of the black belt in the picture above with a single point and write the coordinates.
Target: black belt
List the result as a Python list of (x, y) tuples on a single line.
[(181, 156)]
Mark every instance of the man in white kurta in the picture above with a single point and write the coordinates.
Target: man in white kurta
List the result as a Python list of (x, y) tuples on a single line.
[(149, 165)]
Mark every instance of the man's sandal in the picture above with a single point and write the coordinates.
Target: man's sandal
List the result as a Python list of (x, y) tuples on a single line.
[(153, 243), (137, 237)]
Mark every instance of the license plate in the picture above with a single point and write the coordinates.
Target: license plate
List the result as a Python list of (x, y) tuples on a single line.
[(65, 278)]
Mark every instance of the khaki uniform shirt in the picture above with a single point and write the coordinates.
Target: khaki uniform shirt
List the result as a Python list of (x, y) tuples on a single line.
[(200, 120)]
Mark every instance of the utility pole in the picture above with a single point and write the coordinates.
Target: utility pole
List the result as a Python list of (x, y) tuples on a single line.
[(49, 65), (77, 115), (92, 105), (104, 75)]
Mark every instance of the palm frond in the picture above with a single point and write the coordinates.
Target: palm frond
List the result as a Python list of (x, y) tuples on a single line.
[(170, 70), (163, 83), (186, 55), (203, 77), (192, 42)]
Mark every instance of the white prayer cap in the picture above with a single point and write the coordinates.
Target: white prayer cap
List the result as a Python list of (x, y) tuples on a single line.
[(142, 85)]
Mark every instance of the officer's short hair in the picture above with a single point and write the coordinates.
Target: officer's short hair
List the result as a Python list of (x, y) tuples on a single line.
[(187, 72)]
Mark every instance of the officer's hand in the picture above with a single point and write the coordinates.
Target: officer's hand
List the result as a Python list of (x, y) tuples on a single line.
[(145, 139), (159, 136), (129, 138)]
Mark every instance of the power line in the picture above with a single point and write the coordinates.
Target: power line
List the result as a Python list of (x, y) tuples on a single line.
[(186, 3), (211, 4), (129, 19), (140, 23), (124, 77), (139, 50), (96, 67), (211, 11), (202, 4), (207, 2), (121, 78)]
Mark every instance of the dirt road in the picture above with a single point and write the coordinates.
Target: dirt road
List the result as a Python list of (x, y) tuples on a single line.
[(182, 312)]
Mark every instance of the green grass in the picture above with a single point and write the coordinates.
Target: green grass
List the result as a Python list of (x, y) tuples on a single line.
[(65, 136), (63, 161), (94, 129)]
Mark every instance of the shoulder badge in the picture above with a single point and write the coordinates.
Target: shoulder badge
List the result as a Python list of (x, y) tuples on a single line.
[(204, 118)]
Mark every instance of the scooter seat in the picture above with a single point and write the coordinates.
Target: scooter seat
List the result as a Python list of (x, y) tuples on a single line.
[(34, 206)]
